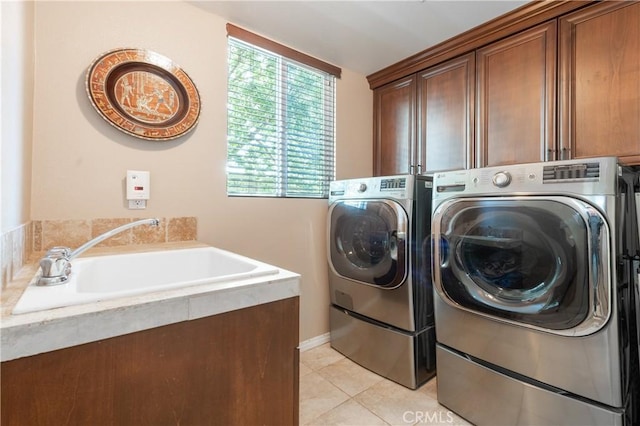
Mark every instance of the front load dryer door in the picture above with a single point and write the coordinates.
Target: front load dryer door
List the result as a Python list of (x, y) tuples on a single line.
[(536, 262), (368, 241)]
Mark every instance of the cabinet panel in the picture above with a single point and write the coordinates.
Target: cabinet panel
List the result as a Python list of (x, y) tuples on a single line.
[(446, 95), (235, 368), (394, 127), (600, 81), (516, 81)]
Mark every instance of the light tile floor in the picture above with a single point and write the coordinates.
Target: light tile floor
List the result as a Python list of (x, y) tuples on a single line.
[(336, 391)]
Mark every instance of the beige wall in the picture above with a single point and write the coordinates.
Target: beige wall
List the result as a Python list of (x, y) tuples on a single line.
[(79, 160)]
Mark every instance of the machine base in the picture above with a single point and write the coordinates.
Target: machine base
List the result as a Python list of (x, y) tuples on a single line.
[(487, 397), (406, 358)]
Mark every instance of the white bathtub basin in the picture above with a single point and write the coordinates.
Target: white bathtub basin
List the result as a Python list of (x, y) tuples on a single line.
[(99, 278)]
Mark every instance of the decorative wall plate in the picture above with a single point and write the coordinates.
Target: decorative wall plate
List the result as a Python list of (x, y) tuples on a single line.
[(143, 94)]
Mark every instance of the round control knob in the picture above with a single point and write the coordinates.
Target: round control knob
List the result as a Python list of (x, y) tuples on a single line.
[(501, 179), (362, 187)]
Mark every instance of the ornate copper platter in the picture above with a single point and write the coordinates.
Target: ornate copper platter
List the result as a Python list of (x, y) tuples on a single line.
[(143, 94)]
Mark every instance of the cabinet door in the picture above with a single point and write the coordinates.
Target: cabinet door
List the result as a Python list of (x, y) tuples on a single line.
[(234, 368), (516, 88), (600, 82), (394, 127), (446, 97)]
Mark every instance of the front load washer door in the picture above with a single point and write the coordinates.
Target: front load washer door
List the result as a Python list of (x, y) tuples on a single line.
[(368, 241), (537, 262)]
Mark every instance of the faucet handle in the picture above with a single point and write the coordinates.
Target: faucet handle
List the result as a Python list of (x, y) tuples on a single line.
[(55, 266), (58, 252)]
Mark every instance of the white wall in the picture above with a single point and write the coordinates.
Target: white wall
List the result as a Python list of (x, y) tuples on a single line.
[(79, 160), (16, 109)]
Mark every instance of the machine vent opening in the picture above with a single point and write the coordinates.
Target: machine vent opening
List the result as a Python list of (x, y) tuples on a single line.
[(585, 172)]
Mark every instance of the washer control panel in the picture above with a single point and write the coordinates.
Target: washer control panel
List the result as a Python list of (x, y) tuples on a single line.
[(399, 187), (390, 184), (595, 176)]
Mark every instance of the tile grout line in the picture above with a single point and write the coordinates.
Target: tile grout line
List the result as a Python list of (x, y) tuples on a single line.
[(316, 366)]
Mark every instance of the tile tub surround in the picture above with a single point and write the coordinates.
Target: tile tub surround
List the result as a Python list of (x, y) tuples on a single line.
[(336, 391), (74, 233), (17, 249), (37, 332), (18, 245)]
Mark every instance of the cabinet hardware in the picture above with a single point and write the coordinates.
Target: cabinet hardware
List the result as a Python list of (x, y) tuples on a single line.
[(551, 153)]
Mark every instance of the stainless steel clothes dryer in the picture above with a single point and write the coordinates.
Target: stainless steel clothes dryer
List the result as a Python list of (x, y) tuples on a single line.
[(534, 305), (381, 311)]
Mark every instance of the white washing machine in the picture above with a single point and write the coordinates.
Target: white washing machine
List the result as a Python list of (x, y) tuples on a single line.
[(534, 303)]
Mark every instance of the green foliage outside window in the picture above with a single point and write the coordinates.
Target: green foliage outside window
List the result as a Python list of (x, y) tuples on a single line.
[(280, 128)]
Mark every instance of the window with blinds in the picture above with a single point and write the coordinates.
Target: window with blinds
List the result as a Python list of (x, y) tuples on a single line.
[(280, 124)]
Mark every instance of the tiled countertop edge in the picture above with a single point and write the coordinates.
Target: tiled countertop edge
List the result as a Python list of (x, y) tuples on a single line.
[(37, 332)]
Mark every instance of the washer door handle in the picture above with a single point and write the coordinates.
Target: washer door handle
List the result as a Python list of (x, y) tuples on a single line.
[(444, 252), (595, 226), (396, 239)]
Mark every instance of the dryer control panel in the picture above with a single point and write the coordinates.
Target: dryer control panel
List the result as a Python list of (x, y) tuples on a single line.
[(396, 187), (592, 177)]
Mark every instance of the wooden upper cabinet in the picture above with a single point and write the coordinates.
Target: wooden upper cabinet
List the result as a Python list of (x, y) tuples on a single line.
[(552, 81), (446, 97), (394, 107), (600, 81), (516, 90)]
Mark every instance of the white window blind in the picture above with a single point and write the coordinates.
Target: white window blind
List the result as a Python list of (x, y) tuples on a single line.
[(280, 125)]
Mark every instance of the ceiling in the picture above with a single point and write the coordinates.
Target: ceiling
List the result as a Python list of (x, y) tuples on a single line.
[(362, 36)]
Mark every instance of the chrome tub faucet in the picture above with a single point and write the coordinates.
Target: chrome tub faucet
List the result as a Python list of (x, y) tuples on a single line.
[(56, 264)]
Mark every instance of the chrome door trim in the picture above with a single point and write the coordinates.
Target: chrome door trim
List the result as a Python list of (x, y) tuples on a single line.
[(600, 269), (400, 233)]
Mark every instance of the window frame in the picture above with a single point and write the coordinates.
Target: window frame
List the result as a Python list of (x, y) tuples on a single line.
[(285, 59)]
